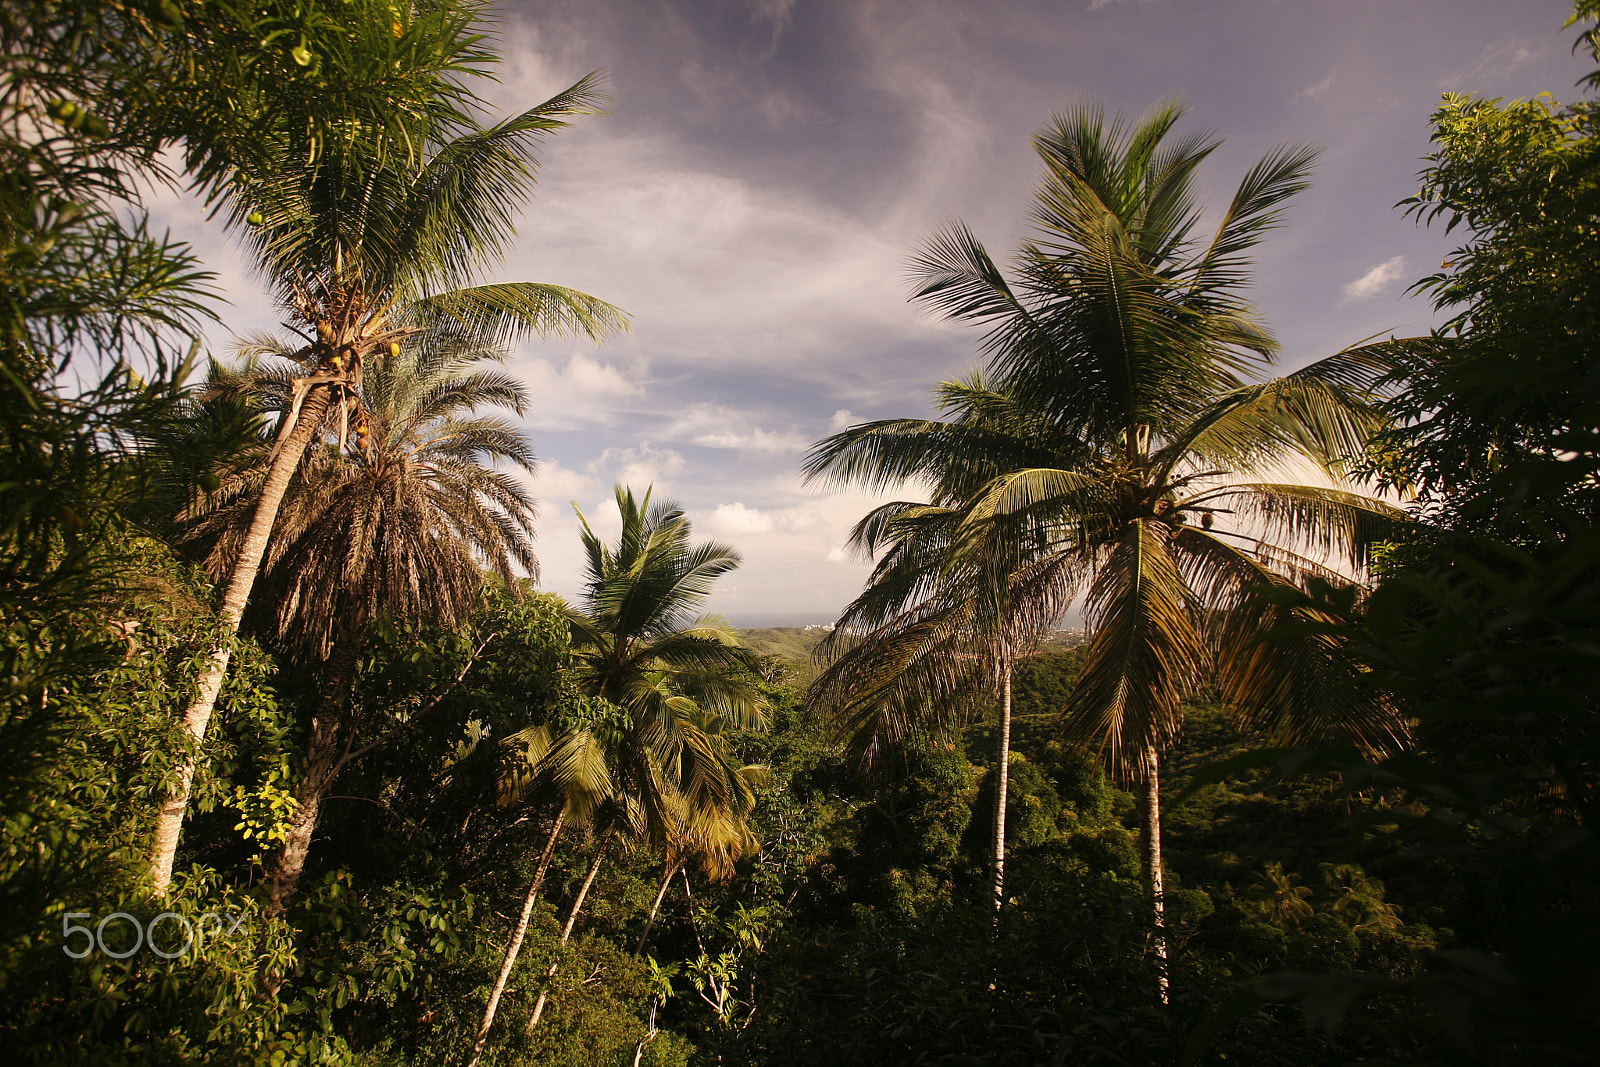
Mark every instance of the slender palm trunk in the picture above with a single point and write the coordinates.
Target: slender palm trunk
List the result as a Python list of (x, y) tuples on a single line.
[(566, 932), (650, 1031), (666, 880), (197, 716), (1002, 777), (1150, 804), (323, 763), (517, 935), (694, 924), (655, 999)]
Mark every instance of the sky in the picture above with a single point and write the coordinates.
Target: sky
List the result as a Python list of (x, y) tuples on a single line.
[(769, 166)]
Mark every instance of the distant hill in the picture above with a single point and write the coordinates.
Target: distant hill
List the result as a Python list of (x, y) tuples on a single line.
[(793, 644), (797, 644)]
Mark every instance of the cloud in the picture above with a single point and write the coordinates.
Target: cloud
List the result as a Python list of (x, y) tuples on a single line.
[(842, 420), (719, 426), (640, 466), (584, 391), (557, 484), (1376, 279), (732, 520), (1495, 63), (1311, 92)]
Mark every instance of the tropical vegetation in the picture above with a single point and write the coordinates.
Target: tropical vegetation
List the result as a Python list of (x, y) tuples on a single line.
[(1319, 788), (1111, 429)]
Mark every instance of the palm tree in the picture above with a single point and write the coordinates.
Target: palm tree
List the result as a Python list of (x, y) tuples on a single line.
[(368, 247), (1124, 349), (398, 517), (565, 757), (717, 837), (681, 681), (674, 685), (938, 621)]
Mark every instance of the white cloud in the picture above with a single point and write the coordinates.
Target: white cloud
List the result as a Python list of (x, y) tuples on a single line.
[(1495, 63), (842, 420), (1376, 279), (732, 520), (583, 392), (640, 466), (719, 426), (555, 484), (837, 554)]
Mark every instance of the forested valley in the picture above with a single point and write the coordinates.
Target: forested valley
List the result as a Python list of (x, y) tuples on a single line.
[(300, 764)]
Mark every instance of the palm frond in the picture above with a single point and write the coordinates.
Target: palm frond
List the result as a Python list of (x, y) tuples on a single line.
[(1279, 663), (1329, 522), (505, 311), (1144, 658)]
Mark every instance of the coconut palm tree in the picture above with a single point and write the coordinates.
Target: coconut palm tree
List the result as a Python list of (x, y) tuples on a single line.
[(1124, 348), (400, 516), (717, 837), (938, 621), (565, 757), (680, 683), (366, 247), (681, 680), (673, 685)]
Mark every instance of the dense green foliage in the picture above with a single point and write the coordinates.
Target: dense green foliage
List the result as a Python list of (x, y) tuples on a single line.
[(1322, 905)]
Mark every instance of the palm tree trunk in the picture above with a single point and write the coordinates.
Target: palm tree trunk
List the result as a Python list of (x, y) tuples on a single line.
[(197, 716), (666, 880), (1002, 780), (566, 932), (1150, 804), (517, 935), (694, 923), (650, 1030), (323, 763)]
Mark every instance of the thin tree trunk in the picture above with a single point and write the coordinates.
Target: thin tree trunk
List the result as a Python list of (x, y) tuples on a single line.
[(566, 932), (650, 1030), (1151, 805), (517, 935), (242, 577), (666, 880), (1002, 777), (694, 924), (323, 763)]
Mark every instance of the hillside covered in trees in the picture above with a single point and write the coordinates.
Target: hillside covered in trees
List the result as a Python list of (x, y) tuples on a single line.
[(298, 764)]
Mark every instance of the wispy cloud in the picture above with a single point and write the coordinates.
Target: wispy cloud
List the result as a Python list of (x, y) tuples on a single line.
[(1495, 64), (1376, 279), (1311, 92)]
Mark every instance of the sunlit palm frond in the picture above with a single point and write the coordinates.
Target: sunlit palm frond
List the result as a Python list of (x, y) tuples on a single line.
[(1319, 521), (954, 276), (1256, 208), (459, 208), (506, 311)]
